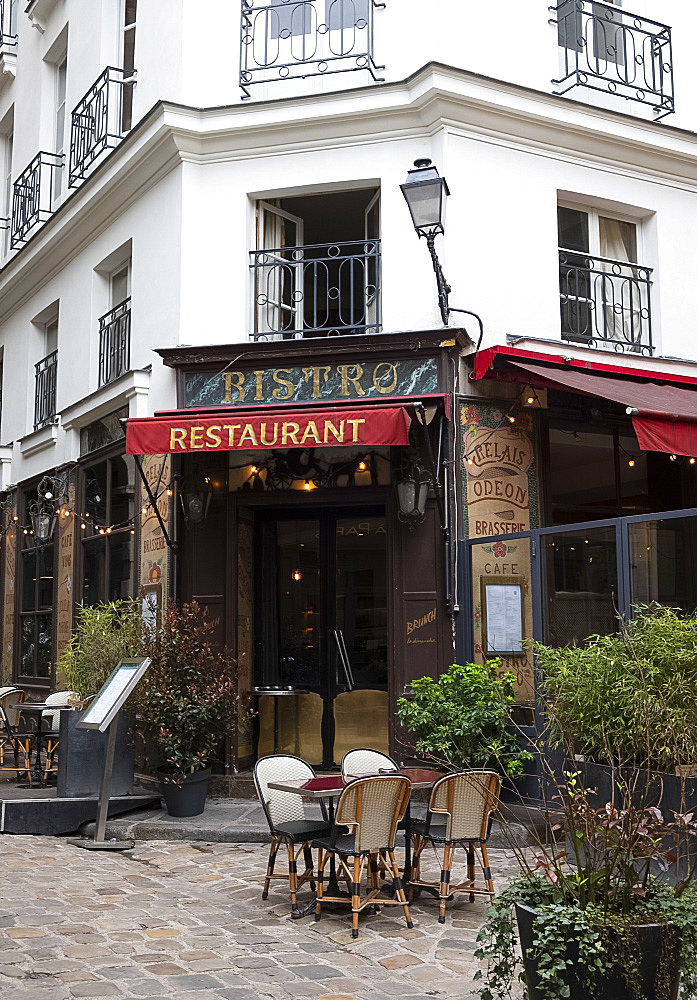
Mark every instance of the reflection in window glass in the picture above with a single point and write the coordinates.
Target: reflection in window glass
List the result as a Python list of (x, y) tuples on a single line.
[(661, 565), (582, 475), (580, 585), (107, 558)]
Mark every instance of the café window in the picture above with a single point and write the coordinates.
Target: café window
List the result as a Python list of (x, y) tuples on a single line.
[(107, 532), (36, 602)]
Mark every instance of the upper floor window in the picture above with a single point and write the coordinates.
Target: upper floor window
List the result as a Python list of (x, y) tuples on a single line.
[(115, 327), (604, 290), (299, 38), (128, 61), (316, 269), (8, 148), (45, 377), (61, 71), (607, 48)]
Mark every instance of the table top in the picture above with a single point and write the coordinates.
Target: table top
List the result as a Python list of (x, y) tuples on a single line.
[(331, 786), (277, 692), (36, 706)]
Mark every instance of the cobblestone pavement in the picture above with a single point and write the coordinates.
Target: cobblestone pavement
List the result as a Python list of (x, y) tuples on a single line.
[(187, 920)]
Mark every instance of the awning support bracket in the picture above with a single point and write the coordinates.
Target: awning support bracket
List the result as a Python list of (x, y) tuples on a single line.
[(153, 501)]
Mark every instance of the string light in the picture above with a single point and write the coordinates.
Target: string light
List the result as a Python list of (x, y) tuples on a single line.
[(631, 463), (530, 400), (673, 458), (692, 461), (362, 466), (511, 418)]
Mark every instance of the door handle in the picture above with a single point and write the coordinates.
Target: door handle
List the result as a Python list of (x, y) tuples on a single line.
[(343, 656)]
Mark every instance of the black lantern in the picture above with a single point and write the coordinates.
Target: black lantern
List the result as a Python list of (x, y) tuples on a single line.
[(425, 192), (42, 512), (412, 493), (195, 498)]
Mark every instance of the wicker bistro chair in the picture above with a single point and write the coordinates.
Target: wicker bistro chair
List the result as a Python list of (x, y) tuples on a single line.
[(11, 699), (50, 724), (288, 821), (19, 743), (361, 762), (371, 809), (458, 816)]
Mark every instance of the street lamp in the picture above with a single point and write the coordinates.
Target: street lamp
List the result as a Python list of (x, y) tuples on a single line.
[(42, 512), (195, 498), (425, 192), (412, 493)]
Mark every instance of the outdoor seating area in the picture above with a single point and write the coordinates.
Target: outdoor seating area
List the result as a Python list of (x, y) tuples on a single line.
[(356, 822), (29, 735)]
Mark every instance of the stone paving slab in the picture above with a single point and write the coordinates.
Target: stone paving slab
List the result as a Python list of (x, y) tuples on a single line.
[(186, 919)]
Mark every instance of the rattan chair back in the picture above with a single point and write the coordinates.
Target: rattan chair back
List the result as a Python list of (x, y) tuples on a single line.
[(466, 799), (357, 763), (11, 701), (281, 807), (372, 808)]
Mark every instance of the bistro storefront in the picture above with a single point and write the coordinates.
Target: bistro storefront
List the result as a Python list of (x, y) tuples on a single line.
[(313, 490)]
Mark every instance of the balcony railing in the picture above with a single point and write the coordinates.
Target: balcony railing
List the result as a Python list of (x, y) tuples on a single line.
[(608, 49), (33, 196), (45, 390), (115, 342), (322, 290), (605, 302), (97, 122), (290, 39)]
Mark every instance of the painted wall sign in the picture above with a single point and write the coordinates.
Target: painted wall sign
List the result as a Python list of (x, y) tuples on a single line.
[(154, 554), (271, 386)]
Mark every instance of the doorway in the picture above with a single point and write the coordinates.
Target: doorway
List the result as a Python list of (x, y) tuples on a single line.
[(321, 629)]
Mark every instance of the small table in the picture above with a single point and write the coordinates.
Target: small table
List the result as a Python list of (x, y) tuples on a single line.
[(36, 708), (330, 788)]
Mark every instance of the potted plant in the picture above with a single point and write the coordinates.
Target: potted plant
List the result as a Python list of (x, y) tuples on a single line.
[(104, 634), (461, 720), (603, 907), (189, 699)]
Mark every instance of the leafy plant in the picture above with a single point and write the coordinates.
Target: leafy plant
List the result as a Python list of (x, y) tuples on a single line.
[(103, 635), (190, 693), (460, 720), (629, 696)]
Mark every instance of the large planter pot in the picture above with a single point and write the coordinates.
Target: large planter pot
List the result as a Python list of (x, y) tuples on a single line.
[(81, 756), (185, 796), (657, 947)]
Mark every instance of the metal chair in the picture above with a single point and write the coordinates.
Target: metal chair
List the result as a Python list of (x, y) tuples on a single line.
[(371, 808), (363, 761), (10, 699), (288, 821), (18, 743), (458, 816)]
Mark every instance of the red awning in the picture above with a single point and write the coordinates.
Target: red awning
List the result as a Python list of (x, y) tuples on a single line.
[(252, 428), (664, 416)]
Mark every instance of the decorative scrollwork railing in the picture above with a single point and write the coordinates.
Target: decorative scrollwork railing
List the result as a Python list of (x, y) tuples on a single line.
[(33, 196), (605, 302), (288, 39), (45, 390), (606, 48), (97, 122), (115, 342), (323, 290)]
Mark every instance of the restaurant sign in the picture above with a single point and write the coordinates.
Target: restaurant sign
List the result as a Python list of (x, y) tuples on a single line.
[(306, 384)]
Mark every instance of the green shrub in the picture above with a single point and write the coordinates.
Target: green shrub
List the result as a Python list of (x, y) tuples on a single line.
[(629, 697), (103, 635), (459, 721)]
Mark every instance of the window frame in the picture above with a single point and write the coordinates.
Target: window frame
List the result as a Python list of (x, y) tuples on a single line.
[(594, 215), (28, 680)]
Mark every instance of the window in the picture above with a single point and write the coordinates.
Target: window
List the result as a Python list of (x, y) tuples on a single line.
[(7, 188), (108, 489), (604, 296), (120, 285), (128, 62), (36, 603), (299, 17), (60, 78), (45, 377)]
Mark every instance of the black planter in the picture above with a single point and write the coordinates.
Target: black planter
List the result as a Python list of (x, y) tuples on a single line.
[(656, 944), (188, 797), (81, 755)]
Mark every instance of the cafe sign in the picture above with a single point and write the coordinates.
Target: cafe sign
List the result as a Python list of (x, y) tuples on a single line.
[(356, 380)]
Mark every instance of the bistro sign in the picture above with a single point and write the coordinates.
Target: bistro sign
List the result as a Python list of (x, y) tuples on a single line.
[(309, 383)]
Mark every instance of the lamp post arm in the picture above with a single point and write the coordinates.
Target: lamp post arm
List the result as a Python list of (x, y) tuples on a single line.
[(443, 286)]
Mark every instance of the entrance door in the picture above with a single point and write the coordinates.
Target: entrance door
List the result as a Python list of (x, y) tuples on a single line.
[(321, 629)]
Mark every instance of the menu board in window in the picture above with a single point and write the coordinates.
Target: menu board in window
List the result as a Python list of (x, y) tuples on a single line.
[(502, 616)]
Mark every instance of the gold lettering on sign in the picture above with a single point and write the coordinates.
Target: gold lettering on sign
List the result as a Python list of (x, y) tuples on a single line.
[(355, 380), (355, 423), (417, 623), (196, 437), (233, 380), (177, 436), (262, 436), (314, 373), (248, 435), (213, 438), (231, 428), (310, 433), (285, 383), (259, 386), (378, 379), (290, 435), (338, 434)]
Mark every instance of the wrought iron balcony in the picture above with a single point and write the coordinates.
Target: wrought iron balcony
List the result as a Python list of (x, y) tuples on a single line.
[(605, 302), (322, 290), (97, 122), (608, 49), (290, 39), (33, 196), (45, 390), (115, 342)]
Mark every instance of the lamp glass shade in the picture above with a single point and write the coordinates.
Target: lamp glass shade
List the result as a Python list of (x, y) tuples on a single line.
[(421, 497), (424, 192), (42, 522), (406, 494)]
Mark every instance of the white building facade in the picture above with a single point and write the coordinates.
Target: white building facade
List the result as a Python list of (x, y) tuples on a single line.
[(199, 205)]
